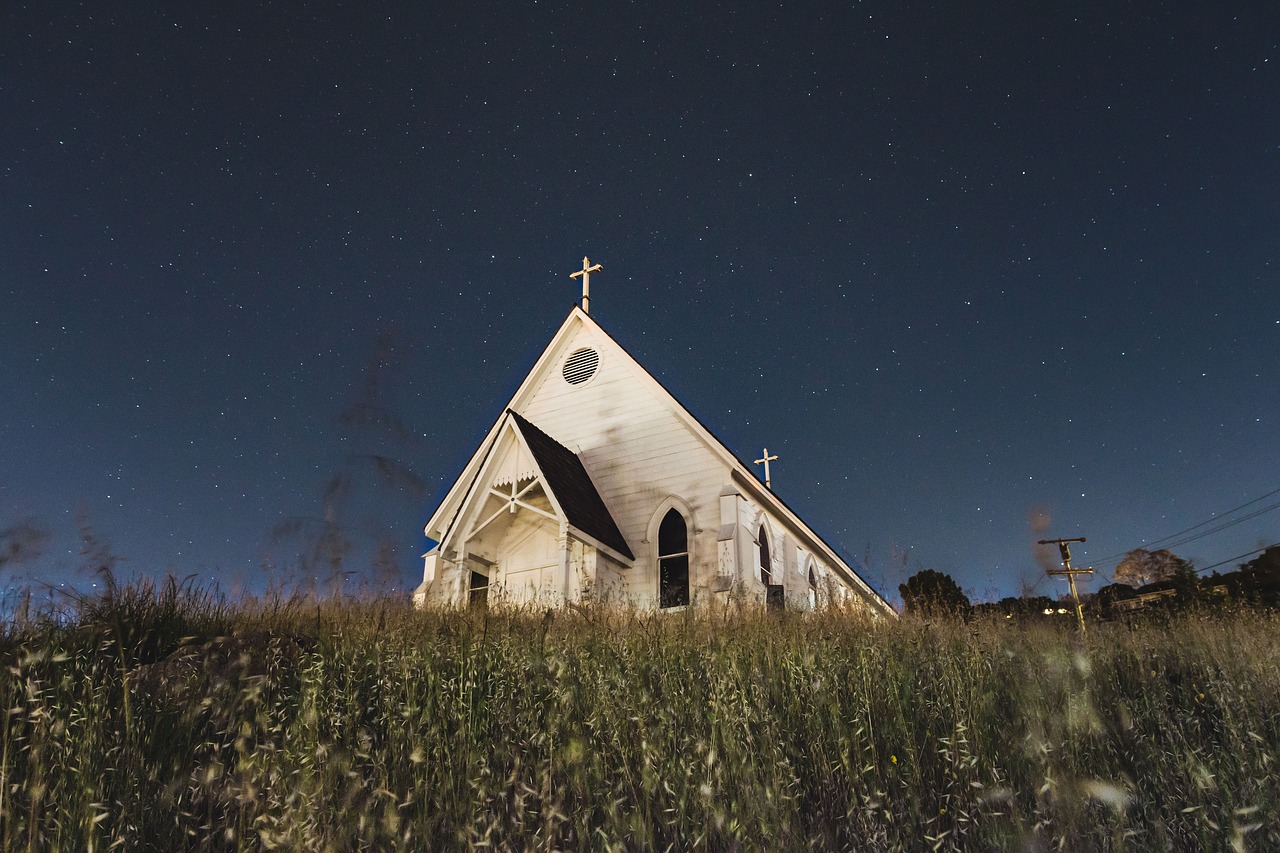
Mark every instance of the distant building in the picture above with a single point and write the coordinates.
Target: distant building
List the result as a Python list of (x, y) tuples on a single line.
[(1164, 592), (594, 482)]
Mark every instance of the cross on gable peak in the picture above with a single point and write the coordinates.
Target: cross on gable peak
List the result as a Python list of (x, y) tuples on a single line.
[(585, 274)]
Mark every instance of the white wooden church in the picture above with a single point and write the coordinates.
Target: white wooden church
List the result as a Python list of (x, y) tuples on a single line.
[(595, 483)]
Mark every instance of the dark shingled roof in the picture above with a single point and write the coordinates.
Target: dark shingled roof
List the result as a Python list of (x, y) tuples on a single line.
[(568, 480)]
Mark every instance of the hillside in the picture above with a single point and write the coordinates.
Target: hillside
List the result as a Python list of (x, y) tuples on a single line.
[(170, 719)]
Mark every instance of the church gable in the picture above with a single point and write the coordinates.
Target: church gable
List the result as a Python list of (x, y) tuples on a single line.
[(526, 471), (512, 463), (506, 487), (640, 446), (527, 525)]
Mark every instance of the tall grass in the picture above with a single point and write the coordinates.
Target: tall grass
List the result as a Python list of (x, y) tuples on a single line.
[(165, 719)]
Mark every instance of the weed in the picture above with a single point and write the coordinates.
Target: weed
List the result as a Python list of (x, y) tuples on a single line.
[(166, 718)]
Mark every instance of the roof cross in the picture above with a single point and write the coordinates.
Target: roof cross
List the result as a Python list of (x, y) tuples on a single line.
[(585, 274), (766, 460)]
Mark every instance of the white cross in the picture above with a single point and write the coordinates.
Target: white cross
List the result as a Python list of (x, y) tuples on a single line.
[(585, 275), (766, 460)]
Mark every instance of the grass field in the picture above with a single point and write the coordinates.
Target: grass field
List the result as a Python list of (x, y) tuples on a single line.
[(168, 719)]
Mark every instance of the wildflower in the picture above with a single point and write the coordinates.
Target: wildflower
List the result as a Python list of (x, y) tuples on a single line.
[(893, 759)]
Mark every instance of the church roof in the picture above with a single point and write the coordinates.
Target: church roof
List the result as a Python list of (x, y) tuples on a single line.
[(568, 480)]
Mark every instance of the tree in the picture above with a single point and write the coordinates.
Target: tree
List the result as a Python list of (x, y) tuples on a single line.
[(1020, 608), (1267, 563), (23, 541), (1141, 567), (355, 500), (19, 543), (96, 555), (1260, 578), (932, 593)]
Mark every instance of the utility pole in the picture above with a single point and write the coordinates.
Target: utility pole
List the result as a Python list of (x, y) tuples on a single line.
[(1064, 548)]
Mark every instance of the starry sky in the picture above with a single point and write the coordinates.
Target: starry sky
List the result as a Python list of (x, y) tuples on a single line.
[(979, 274)]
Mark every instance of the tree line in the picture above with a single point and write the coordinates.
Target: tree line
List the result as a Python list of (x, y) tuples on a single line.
[(1143, 581)]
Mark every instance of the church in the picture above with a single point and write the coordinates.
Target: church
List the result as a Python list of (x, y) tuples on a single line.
[(595, 483)]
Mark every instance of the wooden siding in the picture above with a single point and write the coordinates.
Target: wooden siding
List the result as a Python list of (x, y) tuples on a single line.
[(638, 452)]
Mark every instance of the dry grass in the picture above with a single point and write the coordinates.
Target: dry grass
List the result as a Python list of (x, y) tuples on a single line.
[(165, 719)]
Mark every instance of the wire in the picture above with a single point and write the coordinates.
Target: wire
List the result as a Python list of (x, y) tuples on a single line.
[(1217, 517), (1238, 556), (1226, 525)]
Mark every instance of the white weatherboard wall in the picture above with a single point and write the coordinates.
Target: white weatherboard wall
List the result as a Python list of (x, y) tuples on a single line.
[(638, 451)]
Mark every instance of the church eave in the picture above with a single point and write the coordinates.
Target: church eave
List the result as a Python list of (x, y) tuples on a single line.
[(568, 480), (616, 556)]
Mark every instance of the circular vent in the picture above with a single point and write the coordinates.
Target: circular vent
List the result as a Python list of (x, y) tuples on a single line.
[(581, 366)]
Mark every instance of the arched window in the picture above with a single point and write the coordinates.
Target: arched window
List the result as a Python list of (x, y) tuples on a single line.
[(774, 593), (813, 588), (766, 566), (673, 561)]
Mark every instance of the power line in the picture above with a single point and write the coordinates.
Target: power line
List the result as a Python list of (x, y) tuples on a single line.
[(1217, 517), (1218, 529), (1237, 557), (1226, 525)]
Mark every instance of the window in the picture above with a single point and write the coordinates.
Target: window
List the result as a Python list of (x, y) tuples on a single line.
[(766, 567), (479, 592), (581, 366), (774, 593), (813, 588), (673, 561)]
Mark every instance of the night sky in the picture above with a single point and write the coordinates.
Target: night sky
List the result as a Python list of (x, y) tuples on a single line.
[(979, 274)]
